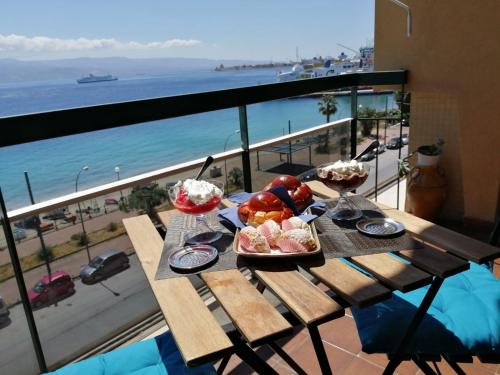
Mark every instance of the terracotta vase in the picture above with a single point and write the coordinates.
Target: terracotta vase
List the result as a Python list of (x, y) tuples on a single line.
[(426, 188)]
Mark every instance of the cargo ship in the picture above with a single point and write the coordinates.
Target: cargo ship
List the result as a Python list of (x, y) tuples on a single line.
[(92, 78)]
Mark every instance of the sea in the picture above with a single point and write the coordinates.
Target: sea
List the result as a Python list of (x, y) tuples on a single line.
[(52, 165)]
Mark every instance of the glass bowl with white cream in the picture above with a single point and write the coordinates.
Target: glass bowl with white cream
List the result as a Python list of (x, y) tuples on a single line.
[(343, 177)]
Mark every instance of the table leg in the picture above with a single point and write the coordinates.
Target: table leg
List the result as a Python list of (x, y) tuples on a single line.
[(289, 360), (396, 358), (320, 350), (251, 358), (426, 369), (454, 365), (223, 364)]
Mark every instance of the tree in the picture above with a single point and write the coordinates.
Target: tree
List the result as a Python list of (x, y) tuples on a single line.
[(81, 238), (367, 125), (45, 254), (327, 106), (147, 199), (235, 176)]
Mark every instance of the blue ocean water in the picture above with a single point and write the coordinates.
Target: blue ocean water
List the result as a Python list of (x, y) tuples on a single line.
[(53, 164)]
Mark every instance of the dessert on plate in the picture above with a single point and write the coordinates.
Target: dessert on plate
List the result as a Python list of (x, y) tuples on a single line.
[(261, 207), (269, 237), (300, 193)]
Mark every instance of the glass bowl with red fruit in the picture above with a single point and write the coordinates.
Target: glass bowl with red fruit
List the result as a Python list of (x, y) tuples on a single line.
[(198, 197)]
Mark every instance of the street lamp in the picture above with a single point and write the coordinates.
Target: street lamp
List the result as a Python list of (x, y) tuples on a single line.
[(83, 169), (225, 160), (117, 171)]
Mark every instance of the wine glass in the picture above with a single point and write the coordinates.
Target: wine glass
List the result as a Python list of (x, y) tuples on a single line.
[(343, 177), (199, 202)]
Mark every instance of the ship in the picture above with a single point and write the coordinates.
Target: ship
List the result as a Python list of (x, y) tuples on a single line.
[(325, 67), (92, 78)]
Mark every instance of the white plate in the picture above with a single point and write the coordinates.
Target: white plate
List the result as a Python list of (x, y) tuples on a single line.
[(276, 253)]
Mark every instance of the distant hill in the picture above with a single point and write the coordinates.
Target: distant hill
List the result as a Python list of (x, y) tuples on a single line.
[(12, 70)]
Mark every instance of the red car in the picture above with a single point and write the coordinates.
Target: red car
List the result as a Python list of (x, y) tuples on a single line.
[(46, 292)]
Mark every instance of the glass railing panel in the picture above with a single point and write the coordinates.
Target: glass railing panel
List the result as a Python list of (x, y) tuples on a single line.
[(53, 165), (17, 355), (89, 306), (78, 310), (300, 155)]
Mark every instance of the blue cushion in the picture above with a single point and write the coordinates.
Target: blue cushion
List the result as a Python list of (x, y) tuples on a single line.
[(158, 356), (464, 318)]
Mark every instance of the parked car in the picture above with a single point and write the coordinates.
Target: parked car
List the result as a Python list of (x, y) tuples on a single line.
[(27, 223), (394, 144), (380, 149), (110, 201), (57, 214), (48, 291), (70, 218), (45, 226), (4, 312), (19, 234), (369, 156), (404, 138), (104, 265)]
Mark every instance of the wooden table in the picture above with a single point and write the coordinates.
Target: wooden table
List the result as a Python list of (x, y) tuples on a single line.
[(201, 338)]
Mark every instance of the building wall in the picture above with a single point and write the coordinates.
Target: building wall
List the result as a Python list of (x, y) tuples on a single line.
[(453, 58)]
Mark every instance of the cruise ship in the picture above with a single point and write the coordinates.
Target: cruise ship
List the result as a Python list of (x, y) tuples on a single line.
[(92, 78), (324, 67)]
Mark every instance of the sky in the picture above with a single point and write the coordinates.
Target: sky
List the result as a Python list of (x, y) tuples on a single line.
[(267, 30)]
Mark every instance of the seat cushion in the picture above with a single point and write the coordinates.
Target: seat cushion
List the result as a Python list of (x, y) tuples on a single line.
[(158, 356), (464, 318)]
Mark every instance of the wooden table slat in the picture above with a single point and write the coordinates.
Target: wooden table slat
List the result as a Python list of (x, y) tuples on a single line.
[(438, 263), (251, 313), (304, 299), (198, 335), (453, 242), (350, 284), (392, 272)]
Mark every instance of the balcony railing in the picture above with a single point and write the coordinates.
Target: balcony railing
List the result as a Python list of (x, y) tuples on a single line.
[(42, 126)]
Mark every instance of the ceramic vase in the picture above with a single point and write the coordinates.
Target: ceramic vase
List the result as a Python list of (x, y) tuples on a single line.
[(426, 188)]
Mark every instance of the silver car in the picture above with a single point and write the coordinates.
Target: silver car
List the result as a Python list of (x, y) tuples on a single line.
[(104, 265)]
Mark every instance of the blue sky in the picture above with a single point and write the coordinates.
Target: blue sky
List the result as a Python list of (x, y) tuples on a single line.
[(227, 29)]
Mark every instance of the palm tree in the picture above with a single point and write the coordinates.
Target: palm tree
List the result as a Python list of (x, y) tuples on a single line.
[(367, 125), (327, 107), (146, 199)]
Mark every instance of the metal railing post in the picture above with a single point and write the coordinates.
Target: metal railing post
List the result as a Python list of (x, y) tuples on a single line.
[(18, 273), (402, 112), (376, 164), (245, 155), (354, 121)]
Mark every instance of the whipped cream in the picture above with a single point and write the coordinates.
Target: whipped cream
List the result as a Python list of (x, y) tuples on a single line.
[(340, 167), (199, 191)]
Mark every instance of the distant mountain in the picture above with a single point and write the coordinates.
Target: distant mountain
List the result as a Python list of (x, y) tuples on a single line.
[(12, 70)]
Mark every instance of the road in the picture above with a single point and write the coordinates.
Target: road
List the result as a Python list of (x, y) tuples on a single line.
[(387, 168), (77, 322)]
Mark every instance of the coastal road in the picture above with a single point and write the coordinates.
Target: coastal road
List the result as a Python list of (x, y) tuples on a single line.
[(387, 168), (77, 322)]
